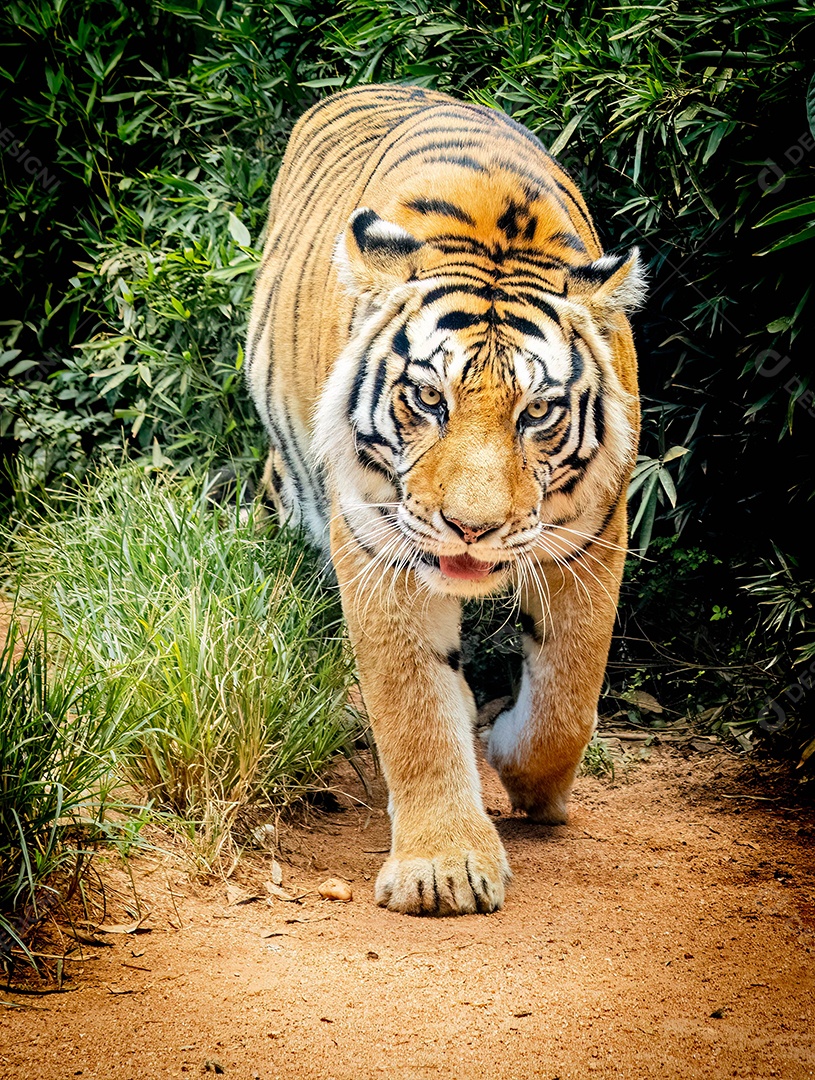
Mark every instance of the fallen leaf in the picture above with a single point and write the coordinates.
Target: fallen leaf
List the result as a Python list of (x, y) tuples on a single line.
[(644, 701), (277, 872), (336, 889), (89, 939), (280, 894), (236, 895), (136, 927)]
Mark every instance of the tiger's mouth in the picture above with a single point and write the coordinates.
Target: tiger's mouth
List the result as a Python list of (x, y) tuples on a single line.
[(462, 567)]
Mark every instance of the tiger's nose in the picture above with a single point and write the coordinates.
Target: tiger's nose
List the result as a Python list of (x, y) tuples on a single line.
[(469, 533)]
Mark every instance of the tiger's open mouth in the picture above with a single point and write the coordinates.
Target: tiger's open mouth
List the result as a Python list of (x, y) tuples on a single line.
[(462, 567)]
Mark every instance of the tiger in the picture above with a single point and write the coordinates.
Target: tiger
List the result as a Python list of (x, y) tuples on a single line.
[(442, 356)]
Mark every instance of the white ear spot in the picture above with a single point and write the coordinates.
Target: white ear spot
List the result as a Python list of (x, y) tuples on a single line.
[(611, 284), (629, 292), (374, 255), (388, 233)]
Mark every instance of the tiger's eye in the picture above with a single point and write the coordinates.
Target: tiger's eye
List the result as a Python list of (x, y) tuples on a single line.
[(537, 409), (430, 396)]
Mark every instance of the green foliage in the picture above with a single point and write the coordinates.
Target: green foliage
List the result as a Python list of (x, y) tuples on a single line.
[(598, 760), (223, 635), (64, 733)]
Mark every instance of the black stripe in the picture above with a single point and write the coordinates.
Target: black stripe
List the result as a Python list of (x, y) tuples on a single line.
[(577, 365), (540, 305), (464, 161), (522, 325), (612, 510), (368, 459), (440, 206), (508, 222), (599, 418), (359, 381), (582, 412), (528, 625), (568, 240), (379, 382), (458, 320), (453, 659), (400, 343), (281, 445)]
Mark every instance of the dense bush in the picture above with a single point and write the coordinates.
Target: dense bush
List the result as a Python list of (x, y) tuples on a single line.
[(127, 258)]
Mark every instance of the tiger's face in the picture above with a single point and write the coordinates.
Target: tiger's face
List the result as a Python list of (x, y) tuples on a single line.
[(484, 421)]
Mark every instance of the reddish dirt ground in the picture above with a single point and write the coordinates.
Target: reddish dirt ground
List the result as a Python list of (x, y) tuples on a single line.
[(667, 931)]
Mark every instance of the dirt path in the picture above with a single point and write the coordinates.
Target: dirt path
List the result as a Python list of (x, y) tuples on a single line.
[(668, 931)]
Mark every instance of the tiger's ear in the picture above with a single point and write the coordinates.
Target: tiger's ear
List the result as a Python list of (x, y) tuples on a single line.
[(373, 254), (611, 285)]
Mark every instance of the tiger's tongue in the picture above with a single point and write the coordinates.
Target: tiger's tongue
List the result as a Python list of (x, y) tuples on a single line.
[(463, 566)]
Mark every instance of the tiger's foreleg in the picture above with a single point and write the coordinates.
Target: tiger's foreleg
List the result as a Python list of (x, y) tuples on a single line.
[(536, 746), (446, 857)]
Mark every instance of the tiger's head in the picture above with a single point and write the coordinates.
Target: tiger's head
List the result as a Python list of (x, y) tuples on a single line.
[(484, 411)]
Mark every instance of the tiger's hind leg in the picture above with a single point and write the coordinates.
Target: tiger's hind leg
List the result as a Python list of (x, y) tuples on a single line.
[(537, 744)]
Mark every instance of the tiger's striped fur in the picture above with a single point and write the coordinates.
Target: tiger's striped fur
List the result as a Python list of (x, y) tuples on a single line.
[(440, 352)]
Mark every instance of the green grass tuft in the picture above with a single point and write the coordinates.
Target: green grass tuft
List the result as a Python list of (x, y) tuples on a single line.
[(63, 734), (226, 637)]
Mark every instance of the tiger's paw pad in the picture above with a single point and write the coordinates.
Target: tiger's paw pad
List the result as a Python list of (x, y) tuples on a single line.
[(459, 883)]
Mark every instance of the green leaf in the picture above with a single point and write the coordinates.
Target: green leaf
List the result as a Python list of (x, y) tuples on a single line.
[(674, 453), (811, 105), (649, 495), (563, 138), (638, 155), (238, 231), (639, 478), (777, 326), (285, 11), (179, 307), (668, 485), (788, 241), (23, 365), (716, 136), (786, 213), (646, 514), (124, 373)]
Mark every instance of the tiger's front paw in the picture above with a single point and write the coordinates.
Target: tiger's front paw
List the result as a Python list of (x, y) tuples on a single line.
[(457, 882)]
